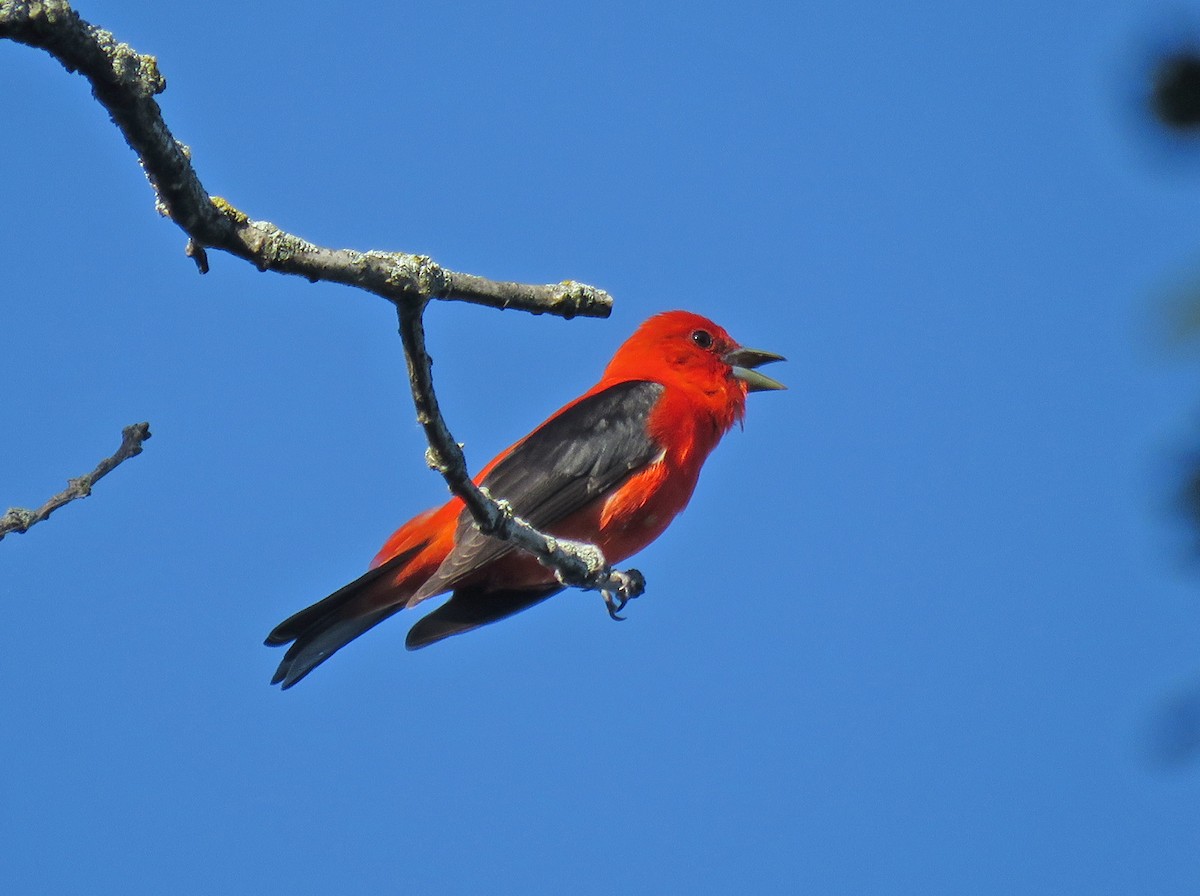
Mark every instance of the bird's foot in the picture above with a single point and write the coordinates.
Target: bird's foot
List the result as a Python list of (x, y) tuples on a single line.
[(628, 585)]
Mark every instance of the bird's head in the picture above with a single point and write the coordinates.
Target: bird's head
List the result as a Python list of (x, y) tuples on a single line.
[(686, 351)]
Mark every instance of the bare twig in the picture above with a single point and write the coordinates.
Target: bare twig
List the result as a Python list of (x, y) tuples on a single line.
[(125, 83), (575, 563), (18, 519)]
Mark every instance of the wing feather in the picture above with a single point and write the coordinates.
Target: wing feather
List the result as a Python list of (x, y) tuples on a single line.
[(573, 458)]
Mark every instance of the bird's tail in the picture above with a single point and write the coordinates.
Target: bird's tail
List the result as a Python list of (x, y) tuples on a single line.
[(318, 632)]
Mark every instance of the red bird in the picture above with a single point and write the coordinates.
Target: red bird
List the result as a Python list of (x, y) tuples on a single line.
[(612, 468)]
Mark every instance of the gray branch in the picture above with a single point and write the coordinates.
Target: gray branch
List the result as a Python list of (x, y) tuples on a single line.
[(575, 563), (18, 519), (126, 82)]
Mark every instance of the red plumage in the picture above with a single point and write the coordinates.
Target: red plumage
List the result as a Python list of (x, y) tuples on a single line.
[(612, 468)]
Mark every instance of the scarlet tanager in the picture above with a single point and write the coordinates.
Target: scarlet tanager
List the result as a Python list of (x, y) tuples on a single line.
[(612, 468)]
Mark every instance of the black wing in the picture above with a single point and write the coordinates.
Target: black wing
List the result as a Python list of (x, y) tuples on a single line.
[(469, 608), (567, 462)]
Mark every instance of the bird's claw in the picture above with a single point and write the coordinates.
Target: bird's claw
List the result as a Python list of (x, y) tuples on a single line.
[(615, 603), (629, 585)]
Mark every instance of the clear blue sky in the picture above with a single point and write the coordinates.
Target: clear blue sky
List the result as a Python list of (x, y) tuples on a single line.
[(918, 625)]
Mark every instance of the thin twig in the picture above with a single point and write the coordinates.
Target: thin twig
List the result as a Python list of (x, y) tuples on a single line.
[(125, 83), (18, 519), (575, 563)]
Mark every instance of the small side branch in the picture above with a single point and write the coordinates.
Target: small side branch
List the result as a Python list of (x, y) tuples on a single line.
[(576, 564), (18, 519), (126, 82)]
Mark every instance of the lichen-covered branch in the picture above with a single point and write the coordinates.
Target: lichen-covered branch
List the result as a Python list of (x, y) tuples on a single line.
[(575, 563), (126, 82), (18, 519)]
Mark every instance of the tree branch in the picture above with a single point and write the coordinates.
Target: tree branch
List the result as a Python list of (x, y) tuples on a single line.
[(125, 83), (577, 564), (18, 519)]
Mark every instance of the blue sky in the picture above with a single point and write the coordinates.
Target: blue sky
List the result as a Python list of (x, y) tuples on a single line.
[(916, 630)]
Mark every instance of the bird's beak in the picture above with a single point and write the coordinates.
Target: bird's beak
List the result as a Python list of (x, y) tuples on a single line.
[(744, 360)]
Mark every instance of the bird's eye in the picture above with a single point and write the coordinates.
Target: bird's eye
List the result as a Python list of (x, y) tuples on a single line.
[(702, 338)]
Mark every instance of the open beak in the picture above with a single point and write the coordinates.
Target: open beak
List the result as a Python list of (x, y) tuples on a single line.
[(744, 360)]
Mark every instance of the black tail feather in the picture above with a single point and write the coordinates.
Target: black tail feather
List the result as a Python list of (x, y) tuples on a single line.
[(313, 648), (319, 631)]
